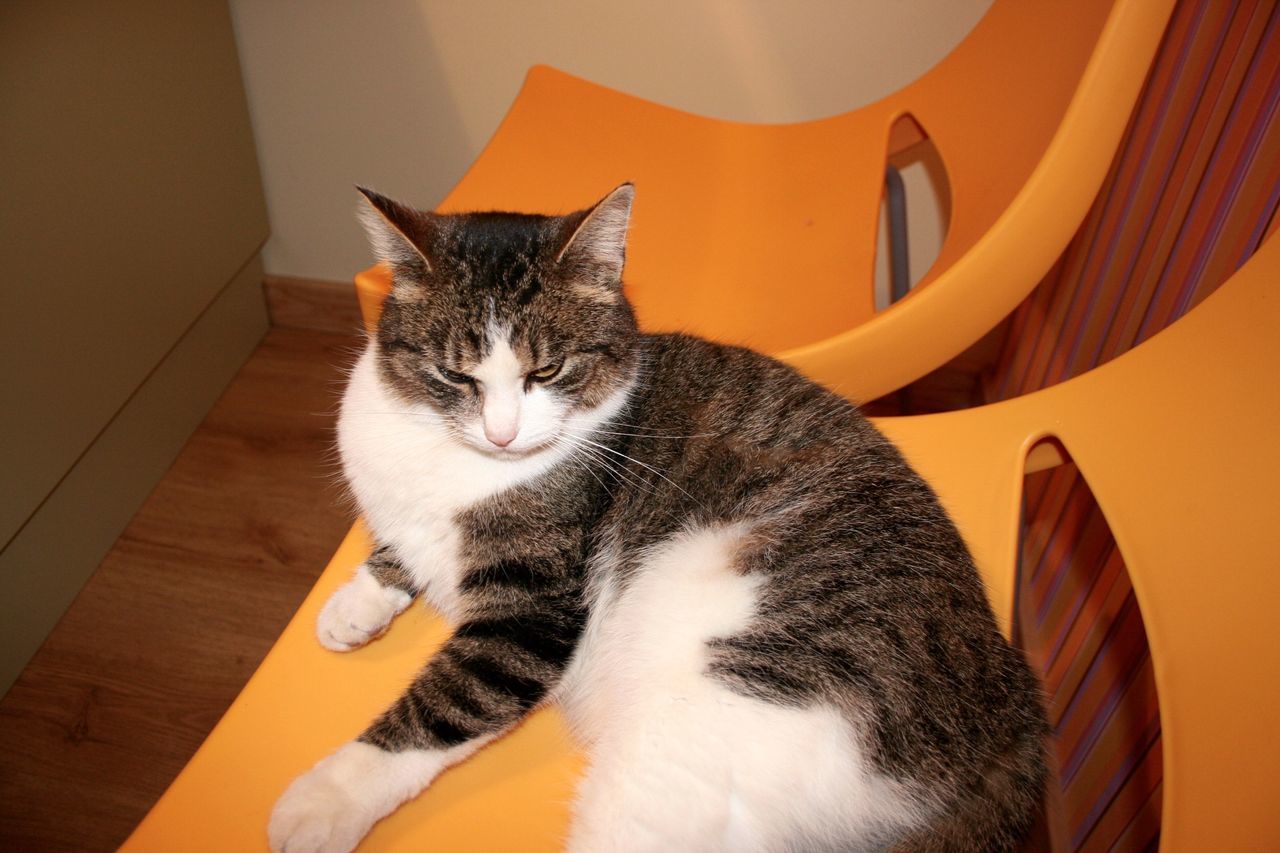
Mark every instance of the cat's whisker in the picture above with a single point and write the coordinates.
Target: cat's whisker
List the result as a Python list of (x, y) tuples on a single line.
[(584, 465), (619, 453), (606, 464), (615, 423), (428, 416), (621, 473), (580, 464), (589, 431), (622, 476), (618, 472)]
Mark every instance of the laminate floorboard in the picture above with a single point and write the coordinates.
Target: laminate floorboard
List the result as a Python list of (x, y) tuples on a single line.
[(182, 609)]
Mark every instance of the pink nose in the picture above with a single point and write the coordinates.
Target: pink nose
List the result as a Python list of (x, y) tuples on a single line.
[(499, 437)]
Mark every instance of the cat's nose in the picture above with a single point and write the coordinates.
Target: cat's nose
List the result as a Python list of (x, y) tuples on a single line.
[(501, 415), (500, 436)]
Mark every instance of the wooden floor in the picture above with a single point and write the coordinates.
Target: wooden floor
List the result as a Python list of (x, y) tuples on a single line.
[(183, 608)]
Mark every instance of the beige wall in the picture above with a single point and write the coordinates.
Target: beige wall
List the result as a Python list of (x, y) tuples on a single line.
[(402, 94)]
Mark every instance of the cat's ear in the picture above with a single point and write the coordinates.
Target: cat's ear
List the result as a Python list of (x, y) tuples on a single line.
[(397, 233), (598, 243)]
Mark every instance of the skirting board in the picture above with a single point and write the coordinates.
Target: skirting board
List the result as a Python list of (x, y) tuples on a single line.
[(308, 303), (45, 565)]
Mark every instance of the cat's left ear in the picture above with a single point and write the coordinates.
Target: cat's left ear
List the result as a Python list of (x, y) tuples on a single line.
[(598, 245)]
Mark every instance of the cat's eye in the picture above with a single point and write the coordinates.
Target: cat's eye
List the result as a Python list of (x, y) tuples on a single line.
[(453, 376), (546, 374)]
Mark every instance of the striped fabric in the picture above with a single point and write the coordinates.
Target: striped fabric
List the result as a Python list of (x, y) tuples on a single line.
[(1079, 622), (1193, 192), (1187, 202)]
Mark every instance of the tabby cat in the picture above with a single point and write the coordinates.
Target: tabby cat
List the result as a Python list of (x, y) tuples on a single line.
[(759, 621)]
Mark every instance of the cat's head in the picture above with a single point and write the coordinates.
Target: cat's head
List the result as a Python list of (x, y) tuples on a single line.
[(513, 327)]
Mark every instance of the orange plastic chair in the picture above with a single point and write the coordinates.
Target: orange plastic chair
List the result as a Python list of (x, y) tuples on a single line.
[(1179, 446), (765, 234), (751, 234)]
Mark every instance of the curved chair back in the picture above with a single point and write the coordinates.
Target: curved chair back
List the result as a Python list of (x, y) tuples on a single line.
[(764, 235)]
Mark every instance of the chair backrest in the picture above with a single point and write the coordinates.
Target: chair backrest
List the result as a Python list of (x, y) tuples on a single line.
[(765, 234), (1177, 440)]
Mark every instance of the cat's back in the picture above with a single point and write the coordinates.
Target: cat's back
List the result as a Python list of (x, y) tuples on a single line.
[(748, 435), (736, 391)]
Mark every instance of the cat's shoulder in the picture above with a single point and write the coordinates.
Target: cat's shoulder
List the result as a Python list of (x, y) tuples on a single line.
[(700, 366), (678, 350)]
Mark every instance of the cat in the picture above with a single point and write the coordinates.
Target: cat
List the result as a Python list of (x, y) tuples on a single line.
[(758, 619)]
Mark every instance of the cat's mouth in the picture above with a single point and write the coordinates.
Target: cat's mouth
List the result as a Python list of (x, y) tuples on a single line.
[(511, 452)]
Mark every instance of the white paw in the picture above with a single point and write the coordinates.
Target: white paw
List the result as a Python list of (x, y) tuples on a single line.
[(358, 611), (317, 814), (335, 804)]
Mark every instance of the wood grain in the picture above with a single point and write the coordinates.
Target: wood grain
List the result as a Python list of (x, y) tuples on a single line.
[(308, 303), (182, 609)]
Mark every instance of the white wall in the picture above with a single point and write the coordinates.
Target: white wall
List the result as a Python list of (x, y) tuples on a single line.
[(402, 94)]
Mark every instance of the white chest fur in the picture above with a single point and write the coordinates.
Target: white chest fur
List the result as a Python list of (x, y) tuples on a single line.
[(411, 478)]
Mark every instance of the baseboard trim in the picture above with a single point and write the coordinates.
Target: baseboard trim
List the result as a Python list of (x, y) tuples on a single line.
[(311, 303)]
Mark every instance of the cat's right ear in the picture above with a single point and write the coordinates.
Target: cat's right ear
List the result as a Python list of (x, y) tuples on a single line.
[(397, 233), (598, 242)]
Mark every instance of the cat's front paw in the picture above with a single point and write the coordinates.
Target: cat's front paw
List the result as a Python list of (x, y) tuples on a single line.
[(315, 815), (358, 611), (335, 804), (319, 812)]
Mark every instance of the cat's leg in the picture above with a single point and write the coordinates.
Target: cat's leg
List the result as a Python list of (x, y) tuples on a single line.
[(483, 681), (362, 609), (336, 803)]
